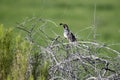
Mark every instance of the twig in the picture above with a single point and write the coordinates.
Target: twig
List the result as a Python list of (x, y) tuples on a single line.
[(23, 28), (94, 24)]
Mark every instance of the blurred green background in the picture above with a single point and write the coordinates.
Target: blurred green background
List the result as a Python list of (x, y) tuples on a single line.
[(78, 14)]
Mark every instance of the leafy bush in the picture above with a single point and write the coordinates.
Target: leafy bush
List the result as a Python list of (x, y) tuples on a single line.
[(16, 60), (6, 52)]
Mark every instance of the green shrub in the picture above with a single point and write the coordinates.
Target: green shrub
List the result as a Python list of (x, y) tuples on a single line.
[(6, 51), (20, 62), (14, 51), (19, 58)]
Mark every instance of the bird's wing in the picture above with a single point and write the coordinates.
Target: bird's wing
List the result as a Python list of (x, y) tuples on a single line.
[(72, 37)]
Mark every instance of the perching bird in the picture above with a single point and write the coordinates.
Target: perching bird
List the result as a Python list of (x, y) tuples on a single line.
[(68, 34)]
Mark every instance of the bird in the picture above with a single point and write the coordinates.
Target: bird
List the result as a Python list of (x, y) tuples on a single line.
[(68, 34)]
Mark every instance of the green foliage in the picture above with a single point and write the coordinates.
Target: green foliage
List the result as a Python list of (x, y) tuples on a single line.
[(20, 62), (6, 52), (15, 56), (44, 71)]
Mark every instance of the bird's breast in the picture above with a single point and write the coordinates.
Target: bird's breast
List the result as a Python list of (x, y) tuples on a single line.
[(65, 35)]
